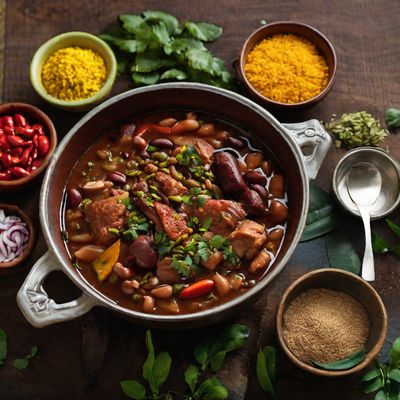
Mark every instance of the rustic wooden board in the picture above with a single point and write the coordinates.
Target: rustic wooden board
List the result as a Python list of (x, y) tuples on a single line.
[(86, 358)]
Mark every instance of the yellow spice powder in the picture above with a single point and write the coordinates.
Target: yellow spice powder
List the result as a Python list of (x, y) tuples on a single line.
[(74, 73), (286, 68)]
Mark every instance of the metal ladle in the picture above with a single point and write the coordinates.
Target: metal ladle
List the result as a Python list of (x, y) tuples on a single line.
[(364, 183)]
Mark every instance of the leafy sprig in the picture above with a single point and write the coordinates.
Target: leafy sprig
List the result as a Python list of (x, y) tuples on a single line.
[(381, 246), (266, 370), (23, 363), (155, 47)]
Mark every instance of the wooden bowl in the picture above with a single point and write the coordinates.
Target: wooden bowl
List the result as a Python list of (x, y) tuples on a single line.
[(10, 209), (33, 115), (336, 279), (313, 35)]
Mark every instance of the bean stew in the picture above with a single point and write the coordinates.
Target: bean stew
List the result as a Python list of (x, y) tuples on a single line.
[(173, 213)]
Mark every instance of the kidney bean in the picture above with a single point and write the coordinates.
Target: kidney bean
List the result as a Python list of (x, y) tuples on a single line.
[(27, 163), (93, 186), (9, 130), (185, 125), (5, 175), (197, 289), (38, 129), (16, 141), (253, 202), (139, 143), (43, 145), (16, 152), (128, 287), (20, 120), (145, 155), (148, 304), (206, 130), (117, 177), (217, 144), (19, 172), (1, 122), (25, 156), (4, 145), (261, 191), (278, 212), (253, 160), (162, 292), (255, 177), (235, 142), (145, 255), (228, 174), (122, 271), (34, 154), (162, 143), (8, 121), (6, 160), (74, 198), (28, 132), (35, 140), (277, 186), (37, 163)]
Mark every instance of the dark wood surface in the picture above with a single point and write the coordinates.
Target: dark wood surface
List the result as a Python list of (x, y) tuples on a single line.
[(88, 357)]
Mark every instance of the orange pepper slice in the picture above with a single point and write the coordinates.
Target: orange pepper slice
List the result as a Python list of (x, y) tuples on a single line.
[(104, 263)]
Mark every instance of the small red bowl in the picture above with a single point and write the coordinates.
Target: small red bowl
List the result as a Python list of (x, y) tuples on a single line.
[(299, 29), (33, 115)]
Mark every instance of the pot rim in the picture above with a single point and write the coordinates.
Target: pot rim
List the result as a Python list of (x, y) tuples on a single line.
[(99, 298)]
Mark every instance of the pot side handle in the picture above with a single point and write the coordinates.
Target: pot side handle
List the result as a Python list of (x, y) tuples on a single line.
[(313, 136), (35, 304)]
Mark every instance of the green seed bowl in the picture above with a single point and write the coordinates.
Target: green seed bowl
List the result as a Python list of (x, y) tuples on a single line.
[(70, 39)]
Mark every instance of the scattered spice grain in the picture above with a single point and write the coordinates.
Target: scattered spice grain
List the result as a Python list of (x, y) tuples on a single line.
[(74, 73), (286, 68), (325, 325)]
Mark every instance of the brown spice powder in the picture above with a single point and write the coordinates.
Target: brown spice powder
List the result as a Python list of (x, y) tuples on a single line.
[(325, 325)]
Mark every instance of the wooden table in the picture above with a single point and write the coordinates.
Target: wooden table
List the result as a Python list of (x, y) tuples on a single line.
[(87, 358)]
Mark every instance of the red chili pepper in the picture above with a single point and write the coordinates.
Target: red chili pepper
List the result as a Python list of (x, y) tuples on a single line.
[(8, 130), (43, 145), (29, 132), (8, 121), (6, 175), (197, 289), (4, 145), (38, 129), (16, 141), (20, 120), (19, 172), (162, 130)]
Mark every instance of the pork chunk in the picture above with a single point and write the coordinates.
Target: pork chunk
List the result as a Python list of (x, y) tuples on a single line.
[(174, 226), (165, 273), (103, 215), (205, 150), (225, 215), (168, 185), (248, 238), (261, 261)]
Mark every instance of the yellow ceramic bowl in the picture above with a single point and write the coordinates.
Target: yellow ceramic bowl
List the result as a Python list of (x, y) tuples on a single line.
[(79, 39)]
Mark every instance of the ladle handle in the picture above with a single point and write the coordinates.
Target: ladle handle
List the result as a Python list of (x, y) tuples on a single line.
[(368, 268)]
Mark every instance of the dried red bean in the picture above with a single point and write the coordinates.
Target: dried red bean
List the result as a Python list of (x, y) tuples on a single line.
[(43, 145), (122, 271), (28, 132), (254, 177), (4, 145), (38, 129), (37, 163), (20, 120), (117, 177), (139, 143), (6, 175), (144, 154), (162, 143), (235, 142), (74, 198), (19, 172), (8, 130), (8, 121), (228, 173), (15, 141), (261, 190)]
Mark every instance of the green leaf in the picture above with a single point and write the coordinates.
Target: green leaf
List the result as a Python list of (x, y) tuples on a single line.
[(217, 361), (161, 31), (394, 355), (3, 346), (161, 368), (179, 46), (133, 389), (372, 386), (318, 198), (205, 61), (203, 30), (149, 363), (150, 78), (371, 375), (320, 227), (270, 358), (210, 389), (379, 244), (151, 60), (216, 392), (132, 23), (394, 375), (341, 253), (381, 395), (174, 74), (347, 363), (394, 227), (21, 363), (263, 376), (33, 352), (191, 376), (126, 45), (170, 22), (393, 118)]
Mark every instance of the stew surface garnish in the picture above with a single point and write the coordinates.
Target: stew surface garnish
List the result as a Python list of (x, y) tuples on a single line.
[(173, 213)]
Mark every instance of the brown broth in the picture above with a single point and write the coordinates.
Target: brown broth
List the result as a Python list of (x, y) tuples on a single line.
[(90, 167)]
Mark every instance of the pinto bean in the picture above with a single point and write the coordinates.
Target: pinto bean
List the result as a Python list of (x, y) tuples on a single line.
[(139, 143), (152, 283), (253, 202), (162, 292), (128, 287), (261, 191), (227, 171), (255, 178), (217, 144), (266, 167), (242, 166), (145, 256), (148, 304), (122, 271), (168, 306), (162, 143), (277, 186), (278, 212), (235, 142), (81, 238), (88, 253), (221, 284), (186, 125), (253, 160), (167, 122), (206, 130), (93, 186)]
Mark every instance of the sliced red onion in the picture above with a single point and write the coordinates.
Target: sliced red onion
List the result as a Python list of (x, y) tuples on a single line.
[(14, 236)]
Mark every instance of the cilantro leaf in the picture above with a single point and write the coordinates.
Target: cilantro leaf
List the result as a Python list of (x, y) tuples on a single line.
[(141, 78), (181, 266), (205, 61), (174, 74), (179, 46), (132, 23), (203, 30), (127, 45), (151, 60), (163, 244), (171, 23), (161, 31)]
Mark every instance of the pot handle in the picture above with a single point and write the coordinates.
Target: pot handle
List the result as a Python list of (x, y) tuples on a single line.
[(36, 305), (311, 134)]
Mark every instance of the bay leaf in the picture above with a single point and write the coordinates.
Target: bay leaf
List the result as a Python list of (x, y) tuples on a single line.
[(346, 363)]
